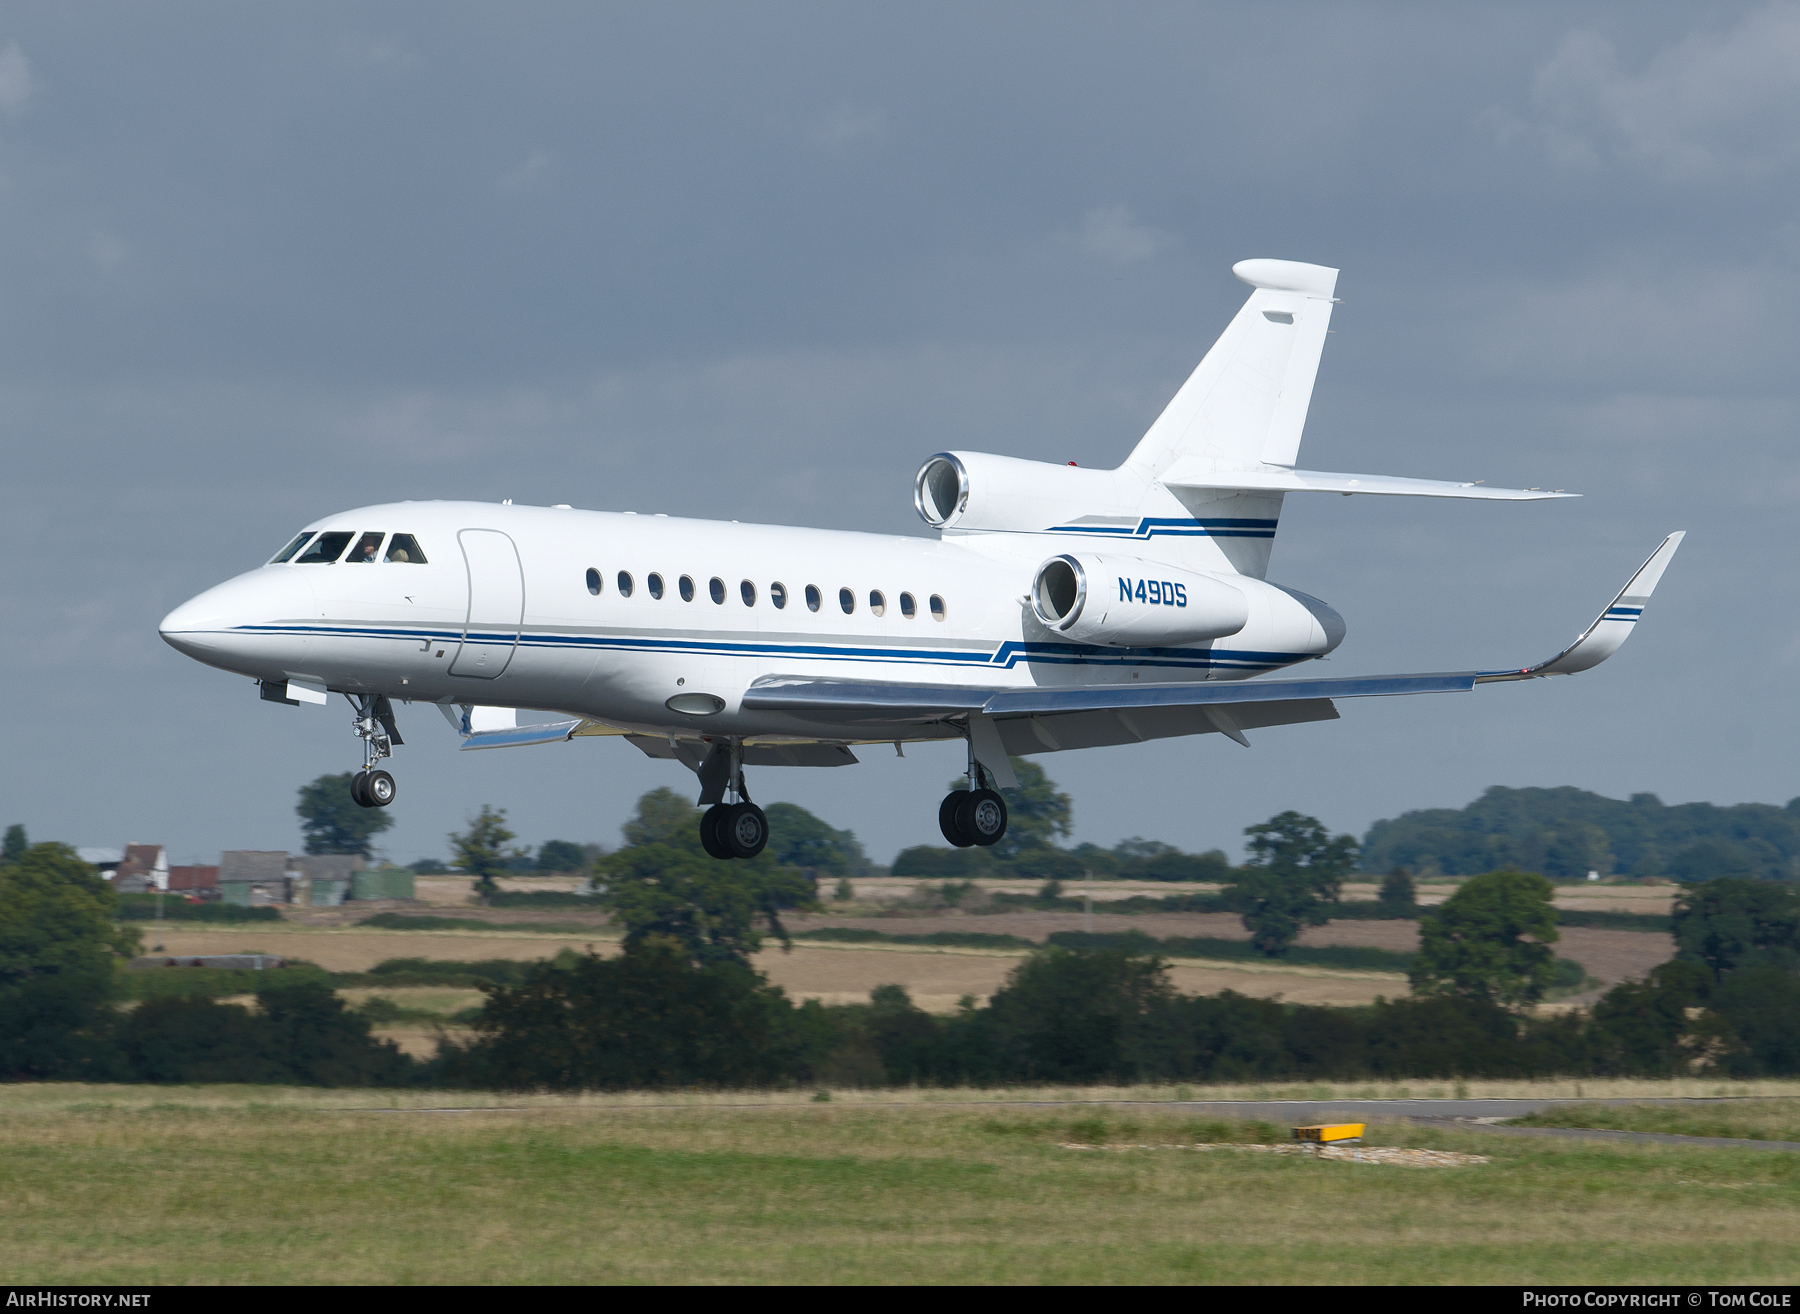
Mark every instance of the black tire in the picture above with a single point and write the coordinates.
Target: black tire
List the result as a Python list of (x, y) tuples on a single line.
[(379, 788), (710, 838), (356, 790), (982, 817), (947, 819), (744, 829)]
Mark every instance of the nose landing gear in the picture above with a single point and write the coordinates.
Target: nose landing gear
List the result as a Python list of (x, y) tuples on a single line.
[(729, 830), (973, 816), (374, 725)]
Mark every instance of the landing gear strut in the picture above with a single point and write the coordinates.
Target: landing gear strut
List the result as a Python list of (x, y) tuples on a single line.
[(374, 725), (973, 816), (737, 829)]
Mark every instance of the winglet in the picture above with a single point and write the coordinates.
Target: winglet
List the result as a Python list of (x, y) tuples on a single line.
[(1605, 636)]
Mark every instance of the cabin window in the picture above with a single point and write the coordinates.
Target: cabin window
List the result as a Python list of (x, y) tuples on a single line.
[(747, 591), (778, 594), (908, 607), (293, 547), (367, 550), (847, 600), (937, 607), (878, 602), (687, 588), (813, 597), (625, 584), (716, 587), (654, 583), (404, 549), (593, 581), (325, 548)]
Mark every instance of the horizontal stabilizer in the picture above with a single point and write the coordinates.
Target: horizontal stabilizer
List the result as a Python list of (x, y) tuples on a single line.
[(1187, 475), (1614, 625)]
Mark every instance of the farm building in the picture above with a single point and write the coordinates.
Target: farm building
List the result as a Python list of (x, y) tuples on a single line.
[(255, 877), (193, 880), (325, 878), (145, 867)]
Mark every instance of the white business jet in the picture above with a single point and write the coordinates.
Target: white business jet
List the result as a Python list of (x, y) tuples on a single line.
[(1058, 608)]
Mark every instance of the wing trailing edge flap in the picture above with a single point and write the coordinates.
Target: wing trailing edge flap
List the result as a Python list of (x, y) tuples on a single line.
[(1083, 716), (692, 752), (1104, 729)]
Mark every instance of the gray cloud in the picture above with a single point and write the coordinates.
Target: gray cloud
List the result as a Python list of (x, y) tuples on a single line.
[(1715, 101), (1114, 234), (16, 82), (845, 124)]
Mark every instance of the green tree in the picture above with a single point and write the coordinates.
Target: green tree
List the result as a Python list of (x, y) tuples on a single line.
[(1731, 925), (58, 943), (1490, 941), (15, 844), (1398, 897), (799, 839), (56, 917), (663, 886), (1294, 874), (331, 820), (1077, 1015), (640, 1020), (561, 855), (480, 849), (1037, 813)]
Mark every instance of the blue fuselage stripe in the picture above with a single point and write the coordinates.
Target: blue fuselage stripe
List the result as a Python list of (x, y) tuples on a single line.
[(1005, 656), (1176, 527)]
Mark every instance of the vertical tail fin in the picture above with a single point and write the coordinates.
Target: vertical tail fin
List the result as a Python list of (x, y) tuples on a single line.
[(1245, 404)]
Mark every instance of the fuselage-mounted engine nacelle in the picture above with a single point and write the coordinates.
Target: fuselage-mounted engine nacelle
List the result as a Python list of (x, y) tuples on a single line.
[(978, 492), (1124, 602)]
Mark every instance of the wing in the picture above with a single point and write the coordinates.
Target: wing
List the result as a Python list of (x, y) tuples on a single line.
[(1003, 722)]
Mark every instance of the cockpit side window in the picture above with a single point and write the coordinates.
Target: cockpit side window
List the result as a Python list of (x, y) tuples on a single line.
[(325, 548), (405, 548), (367, 549), (287, 552)]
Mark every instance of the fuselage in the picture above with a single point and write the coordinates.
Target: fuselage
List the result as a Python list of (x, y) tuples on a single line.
[(657, 625)]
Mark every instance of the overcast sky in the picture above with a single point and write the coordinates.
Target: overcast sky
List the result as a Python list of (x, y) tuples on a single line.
[(259, 263)]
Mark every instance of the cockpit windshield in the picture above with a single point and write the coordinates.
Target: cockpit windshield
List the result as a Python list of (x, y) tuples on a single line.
[(293, 547), (325, 548), (367, 548)]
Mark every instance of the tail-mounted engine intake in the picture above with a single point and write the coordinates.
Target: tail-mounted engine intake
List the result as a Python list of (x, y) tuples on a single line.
[(980, 492), (1127, 603)]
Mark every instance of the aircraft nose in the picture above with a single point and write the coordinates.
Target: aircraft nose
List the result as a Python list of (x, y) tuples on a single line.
[(229, 624)]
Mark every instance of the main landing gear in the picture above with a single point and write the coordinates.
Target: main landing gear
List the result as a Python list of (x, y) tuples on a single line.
[(973, 816), (736, 829), (374, 725)]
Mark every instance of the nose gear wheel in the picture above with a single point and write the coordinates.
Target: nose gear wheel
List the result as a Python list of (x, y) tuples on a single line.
[(374, 725)]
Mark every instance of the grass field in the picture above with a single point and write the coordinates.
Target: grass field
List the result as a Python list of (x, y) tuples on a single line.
[(1762, 1120), (935, 976), (143, 1185)]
